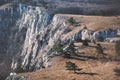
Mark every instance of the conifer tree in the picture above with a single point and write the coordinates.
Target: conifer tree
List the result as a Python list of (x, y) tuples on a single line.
[(99, 49), (58, 47), (71, 48), (71, 66)]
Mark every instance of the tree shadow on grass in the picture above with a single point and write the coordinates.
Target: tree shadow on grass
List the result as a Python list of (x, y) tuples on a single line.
[(78, 58), (83, 58), (85, 73)]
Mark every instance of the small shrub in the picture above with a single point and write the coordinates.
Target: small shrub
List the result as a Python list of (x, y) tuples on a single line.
[(67, 30), (117, 71), (85, 27), (85, 43), (71, 21), (99, 49), (71, 48), (66, 55), (117, 48)]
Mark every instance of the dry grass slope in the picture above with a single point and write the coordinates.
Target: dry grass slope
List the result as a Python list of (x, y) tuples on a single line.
[(96, 23), (92, 69)]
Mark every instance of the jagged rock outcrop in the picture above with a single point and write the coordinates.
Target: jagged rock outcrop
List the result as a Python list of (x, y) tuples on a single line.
[(110, 33), (16, 78), (31, 37), (104, 35)]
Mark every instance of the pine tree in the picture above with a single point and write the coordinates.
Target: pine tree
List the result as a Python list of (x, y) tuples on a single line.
[(71, 49), (99, 49), (71, 66), (117, 48), (58, 47)]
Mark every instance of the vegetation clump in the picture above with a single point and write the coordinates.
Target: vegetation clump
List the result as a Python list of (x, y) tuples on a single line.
[(71, 66), (85, 42), (71, 21), (100, 38), (99, 49), (58, 47), (117, 48), (117, 71), (71, 48), (65, 52)]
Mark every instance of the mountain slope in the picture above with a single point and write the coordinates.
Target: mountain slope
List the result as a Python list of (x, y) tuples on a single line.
[(92, 69)]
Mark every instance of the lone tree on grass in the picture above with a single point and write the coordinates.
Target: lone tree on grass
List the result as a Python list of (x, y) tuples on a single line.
[(117, 48), (117, 71), (100, 50), (71, 66), (58, 47), (71, 48)]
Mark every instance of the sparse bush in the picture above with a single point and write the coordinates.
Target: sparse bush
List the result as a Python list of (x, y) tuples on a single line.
[(66, 55), (67, 30), (85, 27), (99, 49), (71, 66), (71, 48), (71, 21), (117, 48), (117, 71), (85, 42), (100, 38)]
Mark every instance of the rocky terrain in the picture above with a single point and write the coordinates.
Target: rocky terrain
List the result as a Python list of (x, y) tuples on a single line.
[(28, 33)]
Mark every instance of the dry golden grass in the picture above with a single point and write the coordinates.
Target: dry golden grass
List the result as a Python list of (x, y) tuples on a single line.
[(96, 23), (102, 67)]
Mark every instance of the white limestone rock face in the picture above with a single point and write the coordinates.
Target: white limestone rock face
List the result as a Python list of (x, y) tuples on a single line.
[(38, 30), (16, 78), (86, 34), (28, 34), (110, 33)]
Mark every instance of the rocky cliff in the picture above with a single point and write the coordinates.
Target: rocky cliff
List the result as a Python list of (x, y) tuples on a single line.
[(28, 34)]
